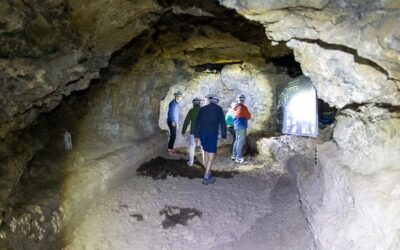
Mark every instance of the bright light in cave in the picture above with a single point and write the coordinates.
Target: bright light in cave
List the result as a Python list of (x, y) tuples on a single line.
[(299, 103)]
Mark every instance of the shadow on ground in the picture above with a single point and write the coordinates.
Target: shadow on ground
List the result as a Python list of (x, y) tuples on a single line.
[(160, 168)]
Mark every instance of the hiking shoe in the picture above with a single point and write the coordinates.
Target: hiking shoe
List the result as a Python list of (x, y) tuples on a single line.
[(208, 179), (233, 158), (240, 160), (190, 164)]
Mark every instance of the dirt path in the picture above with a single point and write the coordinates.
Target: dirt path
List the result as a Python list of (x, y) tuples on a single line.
[(243, 210)]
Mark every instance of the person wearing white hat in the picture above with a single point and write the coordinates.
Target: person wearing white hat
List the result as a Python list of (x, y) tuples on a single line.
[(209, 120), (173, 120), (240, 122), (191, 119)]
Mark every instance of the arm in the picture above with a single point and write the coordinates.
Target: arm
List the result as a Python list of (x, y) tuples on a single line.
[(197, 129), (228, 117), (247, 113), (186, 122), (222, 124), (175, 112)]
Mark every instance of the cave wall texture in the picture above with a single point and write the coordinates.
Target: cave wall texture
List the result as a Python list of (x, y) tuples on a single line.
[(48, 50), (350, 50), (134, 61), (104, 70)]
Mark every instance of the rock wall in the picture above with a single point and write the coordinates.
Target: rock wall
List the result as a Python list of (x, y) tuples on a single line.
[(258, 84), (113, 132), (351, 52), (357, 176), (143, 51), (362, 170), (205, 60), (367, 29), (49, 49), (348, 48), (115, 123), (52, 48)]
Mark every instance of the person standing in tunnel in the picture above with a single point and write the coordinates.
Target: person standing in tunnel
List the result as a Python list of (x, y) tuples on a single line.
[(240, 123), (191, 119), (173, 120), (229, 119), (209, 120)]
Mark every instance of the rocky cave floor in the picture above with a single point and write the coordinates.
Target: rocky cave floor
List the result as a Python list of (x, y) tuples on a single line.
[(165, 206)]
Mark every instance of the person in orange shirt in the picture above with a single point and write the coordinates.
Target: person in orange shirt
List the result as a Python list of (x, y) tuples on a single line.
[(240, 123)]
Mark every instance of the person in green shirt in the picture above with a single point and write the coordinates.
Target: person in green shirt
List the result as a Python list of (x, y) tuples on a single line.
[(229, 119), (191, 119)]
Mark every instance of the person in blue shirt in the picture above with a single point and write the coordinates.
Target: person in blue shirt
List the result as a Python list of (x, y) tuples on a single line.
[(209, 120), (173, 120)]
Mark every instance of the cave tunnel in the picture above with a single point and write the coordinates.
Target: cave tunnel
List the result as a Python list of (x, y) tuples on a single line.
[(85, 90)]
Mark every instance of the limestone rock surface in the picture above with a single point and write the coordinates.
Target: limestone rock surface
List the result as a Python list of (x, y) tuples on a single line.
[(335, 38), (352, 189), (360, 176), (52, 48), (351, 52), (368, 27), (341, 78)]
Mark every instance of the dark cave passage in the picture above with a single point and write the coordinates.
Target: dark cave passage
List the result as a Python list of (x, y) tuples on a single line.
[(105, 72)]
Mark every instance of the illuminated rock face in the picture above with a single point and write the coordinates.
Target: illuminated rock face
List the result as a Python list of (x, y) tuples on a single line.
[(257, 83), (350, 51), (361, 171), (341, 80), (50, 49), (365, 28), (348, 48)]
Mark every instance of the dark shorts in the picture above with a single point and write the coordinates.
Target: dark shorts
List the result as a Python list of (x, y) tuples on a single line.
[(209, 142)]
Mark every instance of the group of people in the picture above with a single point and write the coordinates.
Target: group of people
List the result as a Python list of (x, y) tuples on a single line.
[(206, 118)]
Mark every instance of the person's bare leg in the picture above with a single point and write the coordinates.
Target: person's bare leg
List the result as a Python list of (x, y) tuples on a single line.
[(205, 159), (209, 162), (203, 156)]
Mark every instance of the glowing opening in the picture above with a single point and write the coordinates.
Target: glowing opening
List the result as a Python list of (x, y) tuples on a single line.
[(298, 102)]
